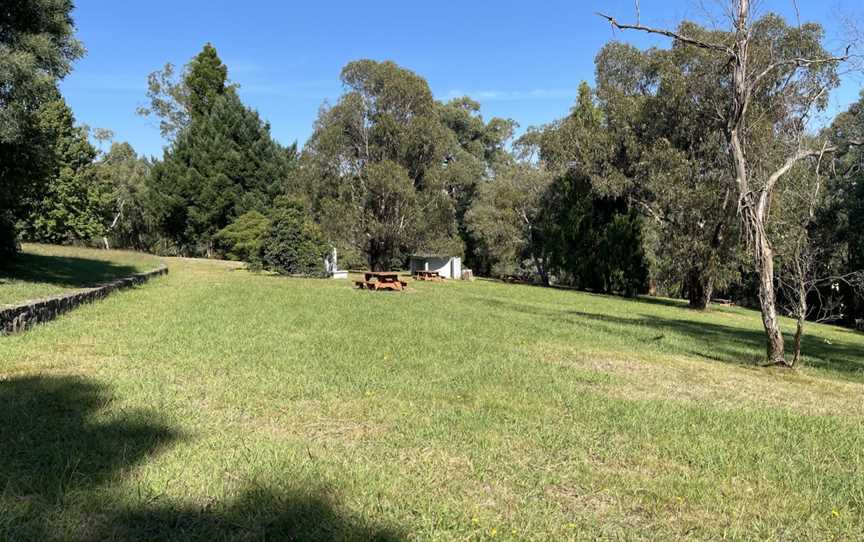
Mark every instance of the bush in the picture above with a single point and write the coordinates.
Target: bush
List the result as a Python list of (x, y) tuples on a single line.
[(294, 245), (8, 237), (243, 239), (621, 259)]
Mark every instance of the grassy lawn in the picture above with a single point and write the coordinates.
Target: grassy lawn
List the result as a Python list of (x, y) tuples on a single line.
[(214, 404), (45, 270)]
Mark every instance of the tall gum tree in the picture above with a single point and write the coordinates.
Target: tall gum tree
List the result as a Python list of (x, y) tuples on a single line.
[(778, 76), (377, 164), (666, 154)]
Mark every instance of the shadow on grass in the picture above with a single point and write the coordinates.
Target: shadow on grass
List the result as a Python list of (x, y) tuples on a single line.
[(708, 340), (258, 514), (730, 344), (68, 272), (66, 457)]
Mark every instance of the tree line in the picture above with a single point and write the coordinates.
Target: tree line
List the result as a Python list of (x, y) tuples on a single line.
[(687, 171)]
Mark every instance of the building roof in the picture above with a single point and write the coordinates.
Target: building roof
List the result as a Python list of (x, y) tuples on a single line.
[(426, 256)]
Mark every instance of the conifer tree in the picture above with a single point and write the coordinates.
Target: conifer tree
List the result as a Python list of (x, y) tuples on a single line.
[(222, 165), (205, 81)]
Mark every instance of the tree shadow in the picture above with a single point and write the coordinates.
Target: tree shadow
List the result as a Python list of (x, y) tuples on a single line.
[(729, 344), (54, 442), (257, 514), (66, 456), (49, 437), (69, 272), (663, 302), (708, 340)]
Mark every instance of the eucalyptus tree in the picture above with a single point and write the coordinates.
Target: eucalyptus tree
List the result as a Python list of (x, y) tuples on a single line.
[(666, 153), (474, 149), (507, 219), (777, 76), (376, 164), (126, 220)]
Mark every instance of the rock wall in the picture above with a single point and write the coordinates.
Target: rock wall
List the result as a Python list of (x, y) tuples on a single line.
[(18, 318)]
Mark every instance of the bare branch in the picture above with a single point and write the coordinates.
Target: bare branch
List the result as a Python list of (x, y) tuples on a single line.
[(790, 163), (669, 34), (800, 63)]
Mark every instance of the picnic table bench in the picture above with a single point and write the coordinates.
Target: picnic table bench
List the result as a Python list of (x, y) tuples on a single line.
[(381, 280), (428, 275)]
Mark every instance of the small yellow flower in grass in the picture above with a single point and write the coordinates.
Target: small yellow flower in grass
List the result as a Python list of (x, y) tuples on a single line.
[(680, 500), (571, 525), (474, 520), (835, 513), (493, 532)]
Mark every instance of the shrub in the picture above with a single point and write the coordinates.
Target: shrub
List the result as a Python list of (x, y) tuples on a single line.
[(243, 239), (621, 259), (8, 237), (294, 245)]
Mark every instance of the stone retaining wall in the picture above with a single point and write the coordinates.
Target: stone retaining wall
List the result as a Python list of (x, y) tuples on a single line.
[(21, 317)]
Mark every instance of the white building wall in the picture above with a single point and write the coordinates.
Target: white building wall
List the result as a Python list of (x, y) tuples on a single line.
[(450, 268)]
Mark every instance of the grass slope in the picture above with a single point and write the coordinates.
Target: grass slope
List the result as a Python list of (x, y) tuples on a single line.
[(46, 270), (213, 404)]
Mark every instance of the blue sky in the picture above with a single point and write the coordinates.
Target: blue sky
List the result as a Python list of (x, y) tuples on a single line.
[(521, 60)]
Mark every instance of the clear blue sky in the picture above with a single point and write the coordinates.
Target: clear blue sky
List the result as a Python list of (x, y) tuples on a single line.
[(522, 60)]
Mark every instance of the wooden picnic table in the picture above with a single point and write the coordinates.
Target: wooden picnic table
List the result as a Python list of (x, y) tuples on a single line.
[(383, 276), (381, 280), (428, 275)]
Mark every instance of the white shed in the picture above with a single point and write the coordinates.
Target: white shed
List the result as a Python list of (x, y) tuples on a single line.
[(449, 267)]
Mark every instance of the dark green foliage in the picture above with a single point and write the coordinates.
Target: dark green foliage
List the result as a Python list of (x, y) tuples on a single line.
[(8, 237), (506, 220), (70, 207), (845, 219), (621, 256), (25, 167), (666, 152), (854, 299), (557, 219), (476, 147), (222, 165), (205, 81), (294, 244), (37, 48), (243, 239), (593, 241)]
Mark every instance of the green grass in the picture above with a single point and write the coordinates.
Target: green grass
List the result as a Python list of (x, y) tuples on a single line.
[(45, 270), (215, 404)]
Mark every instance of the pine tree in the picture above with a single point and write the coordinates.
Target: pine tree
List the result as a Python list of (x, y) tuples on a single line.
[(206, 80), (223, 164)]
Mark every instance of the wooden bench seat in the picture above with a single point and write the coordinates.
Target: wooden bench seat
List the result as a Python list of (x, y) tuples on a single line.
[(397, 285)]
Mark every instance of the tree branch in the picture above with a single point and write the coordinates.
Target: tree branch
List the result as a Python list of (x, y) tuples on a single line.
[(669, 34), (790, 163), (800, 63)]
